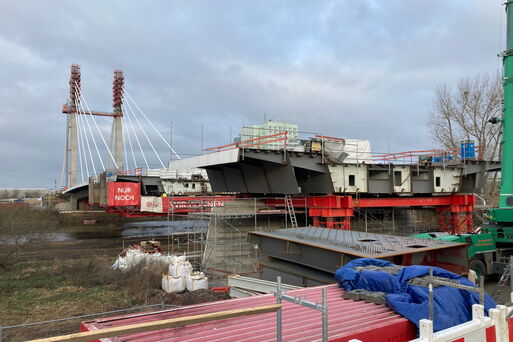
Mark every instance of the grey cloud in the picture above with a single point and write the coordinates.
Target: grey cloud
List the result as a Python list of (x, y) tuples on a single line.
[(356, 69)]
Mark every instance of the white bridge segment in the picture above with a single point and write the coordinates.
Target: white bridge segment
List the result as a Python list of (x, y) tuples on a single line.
[(211, 159)]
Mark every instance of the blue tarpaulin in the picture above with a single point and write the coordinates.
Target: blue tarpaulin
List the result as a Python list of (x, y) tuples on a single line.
[(452, 306)]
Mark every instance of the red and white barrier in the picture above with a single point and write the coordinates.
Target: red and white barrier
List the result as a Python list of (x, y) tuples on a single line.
[(480, 329)]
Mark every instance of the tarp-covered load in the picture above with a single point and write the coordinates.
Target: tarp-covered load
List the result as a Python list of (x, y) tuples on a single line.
[(407, 294)]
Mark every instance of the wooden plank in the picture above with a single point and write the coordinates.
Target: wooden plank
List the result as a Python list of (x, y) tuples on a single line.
[(161, 324)]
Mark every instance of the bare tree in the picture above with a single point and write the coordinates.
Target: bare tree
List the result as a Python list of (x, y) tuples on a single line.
[(20, 227), (464, 113)]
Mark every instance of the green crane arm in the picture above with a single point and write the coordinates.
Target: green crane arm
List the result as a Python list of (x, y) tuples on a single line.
[(504, 213)]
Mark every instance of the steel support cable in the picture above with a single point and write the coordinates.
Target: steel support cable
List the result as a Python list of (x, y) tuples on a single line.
[(146, 135), (125, 156), (136, 137), (82, 145), (84, 155), (84, 119), (127, 131), (79, 147), (93, 165), (155, 128), (82, 133), (64, 162), (96, 124), (91, 133), (112, 144), (92, 136)]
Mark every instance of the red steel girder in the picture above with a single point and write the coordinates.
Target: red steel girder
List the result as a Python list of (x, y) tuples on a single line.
[(327, 211), (462, 201)]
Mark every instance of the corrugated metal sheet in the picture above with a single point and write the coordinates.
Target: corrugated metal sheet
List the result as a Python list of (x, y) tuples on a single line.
[(347, 319)]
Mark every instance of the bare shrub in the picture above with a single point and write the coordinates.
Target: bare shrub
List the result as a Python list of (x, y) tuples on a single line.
[(141, 285), (94, 271), (141, 282)]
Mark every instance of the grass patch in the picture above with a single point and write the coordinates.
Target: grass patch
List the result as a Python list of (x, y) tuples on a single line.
[(38, 291)]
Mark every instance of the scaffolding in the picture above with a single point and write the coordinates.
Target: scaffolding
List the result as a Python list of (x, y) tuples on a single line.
[(214, 238)]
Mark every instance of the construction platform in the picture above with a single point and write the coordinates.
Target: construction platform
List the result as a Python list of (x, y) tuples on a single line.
[(328, 249), (264, 171), (347, 319)]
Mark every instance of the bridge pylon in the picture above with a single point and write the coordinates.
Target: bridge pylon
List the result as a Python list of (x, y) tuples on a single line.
[(73, 108)]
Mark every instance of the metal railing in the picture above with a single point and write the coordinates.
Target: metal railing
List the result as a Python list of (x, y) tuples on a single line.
[(32, 324), (434, 281), (323, 308)]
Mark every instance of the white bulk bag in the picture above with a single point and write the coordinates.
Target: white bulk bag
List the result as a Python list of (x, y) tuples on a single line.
[(180, 269), (196, 281), (165, 283), (173, 284), (176, 284)]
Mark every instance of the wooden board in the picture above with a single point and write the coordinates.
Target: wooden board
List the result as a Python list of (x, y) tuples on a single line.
[(161, 324)]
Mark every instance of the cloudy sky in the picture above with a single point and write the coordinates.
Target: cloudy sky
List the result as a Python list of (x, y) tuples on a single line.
[(350, 68)]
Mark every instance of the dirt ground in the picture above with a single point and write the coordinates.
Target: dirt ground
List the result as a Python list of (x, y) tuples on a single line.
[(51, 280)]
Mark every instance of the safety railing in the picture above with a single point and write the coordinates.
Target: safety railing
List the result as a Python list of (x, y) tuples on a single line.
[(253, 142), (94, 315), (435, 155)]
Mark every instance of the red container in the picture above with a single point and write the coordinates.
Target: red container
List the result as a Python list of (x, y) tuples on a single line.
[(347, 320)]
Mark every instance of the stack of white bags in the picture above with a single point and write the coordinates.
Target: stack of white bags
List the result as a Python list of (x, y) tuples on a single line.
[(134, 256), (181, 277)]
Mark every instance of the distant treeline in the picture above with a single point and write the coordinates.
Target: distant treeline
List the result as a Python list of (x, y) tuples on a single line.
[(21, 193)]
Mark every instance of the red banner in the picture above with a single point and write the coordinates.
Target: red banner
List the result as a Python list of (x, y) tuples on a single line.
[(124, 194)]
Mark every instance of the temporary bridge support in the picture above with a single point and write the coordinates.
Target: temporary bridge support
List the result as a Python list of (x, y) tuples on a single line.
[(333, 211)]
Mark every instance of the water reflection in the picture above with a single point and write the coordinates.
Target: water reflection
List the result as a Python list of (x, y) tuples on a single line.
[(126, 231)]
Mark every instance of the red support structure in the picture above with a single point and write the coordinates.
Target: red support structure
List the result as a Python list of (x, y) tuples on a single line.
[(332, 211), (117, 92), (454, 212)]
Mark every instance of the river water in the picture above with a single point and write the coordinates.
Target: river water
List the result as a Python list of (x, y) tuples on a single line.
[(132, 230)]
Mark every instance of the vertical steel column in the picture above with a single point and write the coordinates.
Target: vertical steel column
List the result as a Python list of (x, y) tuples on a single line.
[(511, 273), (481, 290), (278, 313), (306, 213), (324, 315), (254, 200), (431, 298)]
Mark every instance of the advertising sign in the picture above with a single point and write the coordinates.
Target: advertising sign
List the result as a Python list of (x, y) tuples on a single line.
[(124, 194)]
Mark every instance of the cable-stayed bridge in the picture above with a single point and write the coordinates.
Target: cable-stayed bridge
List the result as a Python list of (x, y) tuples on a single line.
[(89, 151)]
